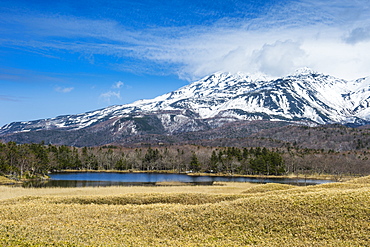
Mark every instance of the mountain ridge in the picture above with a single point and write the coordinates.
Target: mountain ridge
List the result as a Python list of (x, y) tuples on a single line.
[(306, 97)]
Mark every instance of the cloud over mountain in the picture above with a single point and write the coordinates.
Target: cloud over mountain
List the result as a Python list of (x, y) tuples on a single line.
[(285, 35)]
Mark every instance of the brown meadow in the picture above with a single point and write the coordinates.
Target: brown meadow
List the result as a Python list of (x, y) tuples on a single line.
[(225, 214)]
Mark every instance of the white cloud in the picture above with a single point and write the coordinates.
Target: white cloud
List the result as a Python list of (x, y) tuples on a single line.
[(360, 34), (107, 97), (112, 94), (315, 34), (328, 36), (118, 84), (274, 52), (64, 89), (9, 98), (278, 59), (337, 58)]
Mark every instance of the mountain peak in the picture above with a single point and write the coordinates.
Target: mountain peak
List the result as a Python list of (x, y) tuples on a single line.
[(223, 75), (305, 71)]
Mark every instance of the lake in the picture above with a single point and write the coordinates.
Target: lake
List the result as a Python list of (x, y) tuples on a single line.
[(84, 179)]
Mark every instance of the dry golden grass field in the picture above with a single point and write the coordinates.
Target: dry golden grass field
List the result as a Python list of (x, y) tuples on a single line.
[(225, 214)]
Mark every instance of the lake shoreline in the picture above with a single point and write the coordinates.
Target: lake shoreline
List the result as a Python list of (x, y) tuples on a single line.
[(337, 178), (82, 178), (293, 177)]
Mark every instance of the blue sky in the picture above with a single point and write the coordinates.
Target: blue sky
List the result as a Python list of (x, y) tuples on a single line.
[(68, 57)]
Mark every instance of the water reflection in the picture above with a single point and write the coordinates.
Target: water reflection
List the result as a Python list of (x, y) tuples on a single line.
[(80, 183), (85, 179)]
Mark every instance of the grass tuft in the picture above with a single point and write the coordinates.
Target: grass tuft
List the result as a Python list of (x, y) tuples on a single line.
[(5, 181)]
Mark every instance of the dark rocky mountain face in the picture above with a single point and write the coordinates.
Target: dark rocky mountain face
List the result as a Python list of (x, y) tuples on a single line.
[(212, 103)]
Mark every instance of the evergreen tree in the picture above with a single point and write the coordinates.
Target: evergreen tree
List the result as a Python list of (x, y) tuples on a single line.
[(194, 163), (214, 160)]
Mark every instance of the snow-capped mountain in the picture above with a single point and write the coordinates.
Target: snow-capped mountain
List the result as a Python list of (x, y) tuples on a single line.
[(306, 97)]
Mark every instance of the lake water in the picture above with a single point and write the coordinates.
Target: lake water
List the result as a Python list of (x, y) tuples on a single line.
[(84, 179)]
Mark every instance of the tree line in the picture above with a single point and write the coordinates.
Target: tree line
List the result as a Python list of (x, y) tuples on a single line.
[(34, 160)]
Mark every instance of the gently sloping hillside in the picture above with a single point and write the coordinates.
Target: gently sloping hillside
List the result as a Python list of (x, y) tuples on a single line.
[(268, 187)]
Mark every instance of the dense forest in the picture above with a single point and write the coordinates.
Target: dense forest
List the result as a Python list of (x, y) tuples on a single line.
[(35, 160)]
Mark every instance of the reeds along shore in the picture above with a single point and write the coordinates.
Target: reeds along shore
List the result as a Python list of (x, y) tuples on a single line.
[(228, 214)]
